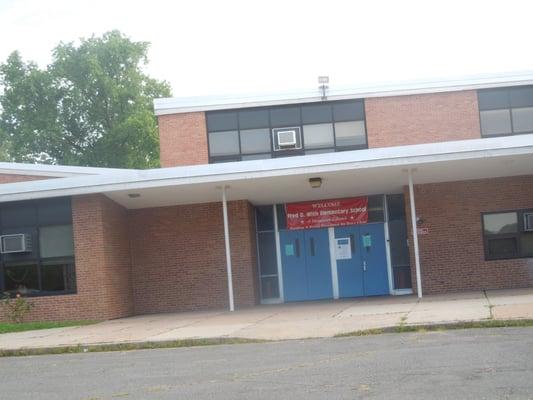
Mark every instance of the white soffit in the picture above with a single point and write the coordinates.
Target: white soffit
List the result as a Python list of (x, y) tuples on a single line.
[(285, 179), (175, 105)]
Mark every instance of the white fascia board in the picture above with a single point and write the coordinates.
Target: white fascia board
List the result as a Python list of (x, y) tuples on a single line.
[(216, 174), (56, 170), (177, 105)]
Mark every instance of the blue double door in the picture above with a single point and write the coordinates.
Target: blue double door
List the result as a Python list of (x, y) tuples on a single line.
[(305, 260), (365, 272), (306, 263)]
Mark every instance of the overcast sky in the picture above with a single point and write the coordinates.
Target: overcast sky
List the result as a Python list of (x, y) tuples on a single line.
[(222, 47)]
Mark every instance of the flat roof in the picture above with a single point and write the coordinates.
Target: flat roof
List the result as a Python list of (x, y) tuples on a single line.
[(176, 105), (358, 172)]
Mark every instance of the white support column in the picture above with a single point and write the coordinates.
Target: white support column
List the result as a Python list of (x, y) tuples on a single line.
[(415, 233), (228, 251)]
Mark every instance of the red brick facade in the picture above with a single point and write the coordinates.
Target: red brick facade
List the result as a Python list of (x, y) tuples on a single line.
[(179, 259), (425, 118), (183, 139), (452, 254)]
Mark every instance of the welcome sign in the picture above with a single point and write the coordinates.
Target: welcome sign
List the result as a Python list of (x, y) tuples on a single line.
[(326, 213)]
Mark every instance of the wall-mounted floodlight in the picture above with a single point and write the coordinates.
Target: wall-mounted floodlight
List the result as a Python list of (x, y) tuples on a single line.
[(323, 81)]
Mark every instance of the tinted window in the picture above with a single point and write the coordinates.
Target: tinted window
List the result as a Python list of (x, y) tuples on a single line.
[(500, 223), (255, 141), (224, 143), (350, 133), (522, 119), (495, 122), (349, 111), (223, 121), (253, 119), (316, 114), (285, 117), (492, 99), (318, 135)]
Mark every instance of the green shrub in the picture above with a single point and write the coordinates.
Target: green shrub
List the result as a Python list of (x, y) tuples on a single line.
[(16, 307)]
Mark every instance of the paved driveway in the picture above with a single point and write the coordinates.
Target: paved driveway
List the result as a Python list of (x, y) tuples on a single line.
[(460, 364), (289, 321)]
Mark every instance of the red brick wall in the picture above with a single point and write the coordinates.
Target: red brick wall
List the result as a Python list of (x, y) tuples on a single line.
[(103, 275), (183, 139), (451, 255), (425, 118), (179, 257), (12, 178)]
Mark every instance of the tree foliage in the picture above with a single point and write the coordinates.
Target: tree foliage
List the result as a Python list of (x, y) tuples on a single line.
[(91, 106)]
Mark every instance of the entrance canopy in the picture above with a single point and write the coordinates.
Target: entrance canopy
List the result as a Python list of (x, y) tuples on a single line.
[(343, 174)]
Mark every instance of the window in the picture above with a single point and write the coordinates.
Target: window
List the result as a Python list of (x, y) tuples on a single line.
[(266, 248), (251, 134), (506, 111), (507, 235), (48, 268)]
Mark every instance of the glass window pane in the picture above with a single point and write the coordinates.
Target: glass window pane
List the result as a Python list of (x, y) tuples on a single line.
[(21, 278), (267, 253), (223, 143), (526, 242), (396, 207), (350, 133), (348, 111), (53, 278), (253, 119), (521, 96), (318, 135), (500, 223), (56, 241), (285, 116), (269, 287), (55, 212), (255, 141), (57, 276), (492, 99), (503, 248), (282, 216), (316, 113), (522, 119), (495, 122), (221, 121), (265, 218), (15, 216), (402, 277)]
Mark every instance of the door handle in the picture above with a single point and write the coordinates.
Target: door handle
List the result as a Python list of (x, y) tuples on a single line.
[(312, 246), (364, 265), (297, 245), (352, 243)]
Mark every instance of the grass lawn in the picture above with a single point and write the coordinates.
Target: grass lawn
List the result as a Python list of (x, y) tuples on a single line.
[(30, 326)]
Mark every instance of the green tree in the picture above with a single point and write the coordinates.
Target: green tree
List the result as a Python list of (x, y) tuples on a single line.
[(91, 106)]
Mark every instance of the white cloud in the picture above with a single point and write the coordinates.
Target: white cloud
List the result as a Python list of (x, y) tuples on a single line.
[(207, 47)]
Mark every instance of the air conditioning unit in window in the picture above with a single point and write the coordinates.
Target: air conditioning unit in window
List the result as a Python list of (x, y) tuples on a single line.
[(16, 243), (287, 138), (528, 222)]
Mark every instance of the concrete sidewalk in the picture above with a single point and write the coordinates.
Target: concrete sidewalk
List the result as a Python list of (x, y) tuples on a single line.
[(288, 321)]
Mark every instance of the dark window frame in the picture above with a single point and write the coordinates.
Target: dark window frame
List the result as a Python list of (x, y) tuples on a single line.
[(35, 258), (517, 235), (509, 107), (285, 153)]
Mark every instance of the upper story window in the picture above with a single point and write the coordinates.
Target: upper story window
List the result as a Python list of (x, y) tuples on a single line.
[(506, 111), (282, 131)]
